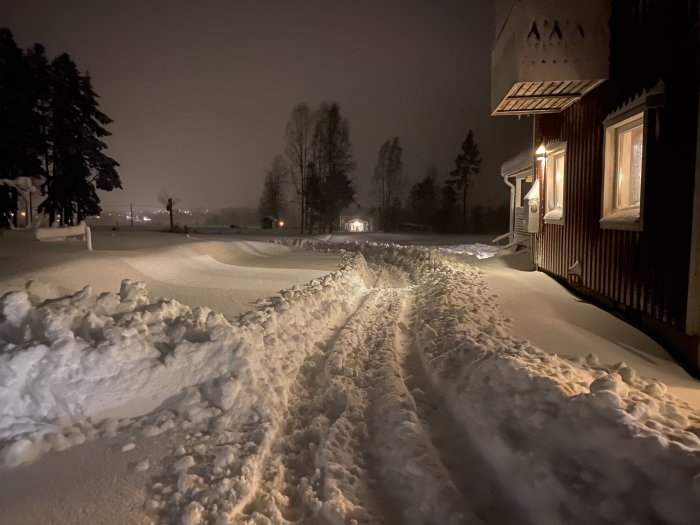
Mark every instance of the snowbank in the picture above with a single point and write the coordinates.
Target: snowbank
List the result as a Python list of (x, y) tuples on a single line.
[(576, 441), (84, 357), (478, 250)]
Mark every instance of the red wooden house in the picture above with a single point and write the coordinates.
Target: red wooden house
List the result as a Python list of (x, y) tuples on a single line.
[(614, 91)]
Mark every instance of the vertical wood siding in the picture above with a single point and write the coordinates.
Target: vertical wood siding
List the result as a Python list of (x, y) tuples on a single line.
[(645, 271)]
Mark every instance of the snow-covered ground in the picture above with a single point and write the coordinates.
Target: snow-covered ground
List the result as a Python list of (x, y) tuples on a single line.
[(198, 271), (391, 390)]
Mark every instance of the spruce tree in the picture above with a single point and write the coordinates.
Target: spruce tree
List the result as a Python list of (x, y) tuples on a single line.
[(333, 160), (20, 137), (423, 199), (78, 164), (467, 163), (448, 208)]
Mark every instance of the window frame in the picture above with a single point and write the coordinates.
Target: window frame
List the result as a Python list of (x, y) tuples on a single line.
[(631, 217), (554, 215)]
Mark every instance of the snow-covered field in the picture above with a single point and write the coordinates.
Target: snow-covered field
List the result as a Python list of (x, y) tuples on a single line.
[(390, 390)]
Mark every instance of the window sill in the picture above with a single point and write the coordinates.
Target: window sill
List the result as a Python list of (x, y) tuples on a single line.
[(627, 219), (555, 216)]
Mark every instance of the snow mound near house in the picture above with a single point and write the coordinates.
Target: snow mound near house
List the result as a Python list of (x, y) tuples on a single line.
[(575, 441), (478, 250)]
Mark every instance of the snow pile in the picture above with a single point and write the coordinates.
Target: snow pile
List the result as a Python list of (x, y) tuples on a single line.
[(68, 362), (575, 441), (478, 250)]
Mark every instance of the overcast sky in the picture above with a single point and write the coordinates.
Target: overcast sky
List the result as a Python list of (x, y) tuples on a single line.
[(200, 92)]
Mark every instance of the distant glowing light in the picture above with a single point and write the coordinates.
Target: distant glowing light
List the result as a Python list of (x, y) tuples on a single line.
[(280, 224), (146, 219), (357, 226), (23, 213)]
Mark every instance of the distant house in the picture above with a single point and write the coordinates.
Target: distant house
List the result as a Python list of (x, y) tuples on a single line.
[(355, 219), (614, 91), (269, 222)]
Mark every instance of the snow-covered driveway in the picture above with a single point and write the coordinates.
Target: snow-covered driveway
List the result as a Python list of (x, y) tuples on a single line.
[(389, 391)]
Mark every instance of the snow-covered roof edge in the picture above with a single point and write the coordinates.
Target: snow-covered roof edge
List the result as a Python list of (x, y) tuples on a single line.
[(523, 161), (634, 102)]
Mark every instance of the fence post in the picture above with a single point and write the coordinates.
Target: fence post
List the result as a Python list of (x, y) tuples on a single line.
[(88, 238)]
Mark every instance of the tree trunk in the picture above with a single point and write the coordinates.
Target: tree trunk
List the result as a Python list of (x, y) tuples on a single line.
[(303, 203), (172, 224), (464, 209)]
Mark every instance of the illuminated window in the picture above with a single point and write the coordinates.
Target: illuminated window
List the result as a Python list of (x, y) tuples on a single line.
[(624, 173), (555, 162)]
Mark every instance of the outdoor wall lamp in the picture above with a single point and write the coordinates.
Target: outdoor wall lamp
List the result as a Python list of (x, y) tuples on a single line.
[(541, 153)]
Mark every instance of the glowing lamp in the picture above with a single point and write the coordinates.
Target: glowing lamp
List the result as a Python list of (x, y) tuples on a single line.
[(541, 153), (280, 224), (23, 213)]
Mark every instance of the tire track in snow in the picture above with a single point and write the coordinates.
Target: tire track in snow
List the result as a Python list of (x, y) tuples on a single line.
[(304, 478), (467, 469), (318, 469), (407, 460)]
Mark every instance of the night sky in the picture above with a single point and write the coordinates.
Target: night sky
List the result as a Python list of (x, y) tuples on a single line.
[(200, 92)]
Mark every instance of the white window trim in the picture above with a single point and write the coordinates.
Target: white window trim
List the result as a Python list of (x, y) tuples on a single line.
[(621, 218), (554, 215)]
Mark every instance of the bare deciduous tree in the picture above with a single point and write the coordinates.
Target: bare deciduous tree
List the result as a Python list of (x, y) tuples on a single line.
[(273, 195), (388, 181), (298, 151), (169, 203)]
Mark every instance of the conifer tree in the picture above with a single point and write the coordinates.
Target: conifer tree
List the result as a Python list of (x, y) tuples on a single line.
[(422, 201), (20, 138), (52, 131), (448, 208), (467, 163), (333, 162), (78, 165), (41, 83)]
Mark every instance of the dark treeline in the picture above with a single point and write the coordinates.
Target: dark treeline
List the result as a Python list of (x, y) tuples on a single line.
[(431, 205), (317, 162), (51, 131)]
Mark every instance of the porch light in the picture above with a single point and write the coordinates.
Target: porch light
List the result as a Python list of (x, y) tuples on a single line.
[(541, 153)]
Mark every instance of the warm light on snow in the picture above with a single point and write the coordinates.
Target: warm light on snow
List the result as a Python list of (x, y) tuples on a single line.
[(394, 378)]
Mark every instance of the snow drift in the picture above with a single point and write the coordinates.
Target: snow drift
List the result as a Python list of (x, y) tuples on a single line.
[(284, 406)]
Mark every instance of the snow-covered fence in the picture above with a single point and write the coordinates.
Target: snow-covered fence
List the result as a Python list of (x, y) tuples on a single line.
[(57, 234)]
